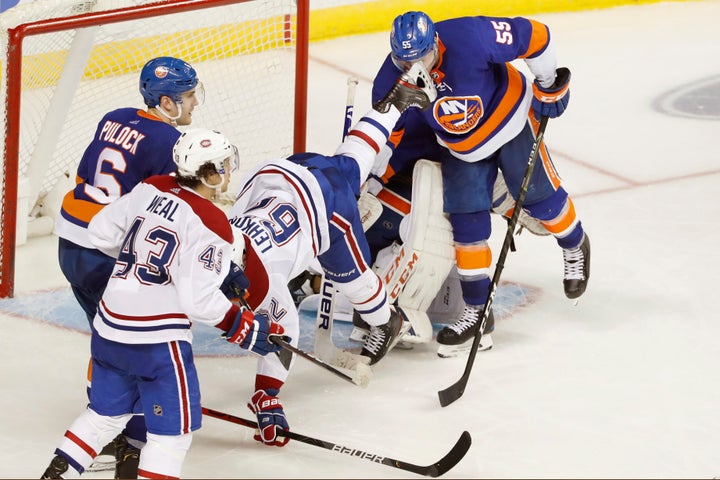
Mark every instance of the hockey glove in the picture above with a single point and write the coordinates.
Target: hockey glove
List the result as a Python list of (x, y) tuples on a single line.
[(254, 332), (553, 100), (235, 282), (270, 418), (414, 88)]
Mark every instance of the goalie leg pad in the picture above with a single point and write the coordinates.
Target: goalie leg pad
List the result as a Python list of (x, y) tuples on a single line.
[(429, 236)]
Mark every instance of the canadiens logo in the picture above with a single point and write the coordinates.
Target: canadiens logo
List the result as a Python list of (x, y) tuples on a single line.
[(161, 72), (205, 142), (458, 114)]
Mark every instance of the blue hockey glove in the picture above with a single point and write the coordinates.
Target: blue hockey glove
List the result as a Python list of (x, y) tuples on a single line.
[(254, 331), (235, 282), (270, 418), (552, 101)]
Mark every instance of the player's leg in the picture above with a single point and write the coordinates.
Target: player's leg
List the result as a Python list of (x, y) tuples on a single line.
[(504, 204), (383, 236), (548, 202), (347, 264), (88, 270), (111, 406), (468, 200), (172, 413)]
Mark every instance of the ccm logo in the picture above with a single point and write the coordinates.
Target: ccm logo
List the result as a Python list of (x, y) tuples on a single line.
[(403, 275)]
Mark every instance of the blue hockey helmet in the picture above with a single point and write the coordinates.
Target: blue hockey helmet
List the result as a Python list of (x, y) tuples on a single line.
[(412, 37), (166, 76)]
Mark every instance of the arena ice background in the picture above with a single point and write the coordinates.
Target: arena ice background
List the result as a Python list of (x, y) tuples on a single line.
[(625, 384)]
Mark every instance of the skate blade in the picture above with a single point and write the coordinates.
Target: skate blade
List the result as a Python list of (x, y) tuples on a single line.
[(450, 351), (102, 463)]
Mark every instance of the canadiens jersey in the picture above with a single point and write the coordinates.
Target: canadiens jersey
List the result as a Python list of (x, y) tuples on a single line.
[(129, 146), (173, 250), (483, 101)]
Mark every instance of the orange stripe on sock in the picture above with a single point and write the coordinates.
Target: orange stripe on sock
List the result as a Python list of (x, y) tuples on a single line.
[(473, 257), (562, 221)]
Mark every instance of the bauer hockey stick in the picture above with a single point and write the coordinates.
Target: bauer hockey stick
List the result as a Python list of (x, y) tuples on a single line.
[(438, 468), (362, 372), (324, 346), (455, 391)]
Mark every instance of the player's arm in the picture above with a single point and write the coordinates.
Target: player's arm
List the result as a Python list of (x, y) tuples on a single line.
[(531, 40), (203, 264), (108, 227), (413, 88)]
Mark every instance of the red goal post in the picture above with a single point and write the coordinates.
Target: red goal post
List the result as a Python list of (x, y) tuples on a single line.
[(68, 62)]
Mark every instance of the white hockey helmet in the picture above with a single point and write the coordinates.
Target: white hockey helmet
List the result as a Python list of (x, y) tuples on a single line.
[(199, 146)]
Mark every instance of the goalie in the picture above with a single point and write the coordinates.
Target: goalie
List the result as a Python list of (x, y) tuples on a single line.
[(412, 247)]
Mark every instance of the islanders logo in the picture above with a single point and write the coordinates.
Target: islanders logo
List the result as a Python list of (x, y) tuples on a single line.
[(458, 115)]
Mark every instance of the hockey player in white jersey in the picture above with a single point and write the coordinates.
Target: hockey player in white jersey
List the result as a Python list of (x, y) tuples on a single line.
[(173, 250), (290, 212)]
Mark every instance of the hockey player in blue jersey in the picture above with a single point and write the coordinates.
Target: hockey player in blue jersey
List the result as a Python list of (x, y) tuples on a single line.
[(484, 119), (129, 146)]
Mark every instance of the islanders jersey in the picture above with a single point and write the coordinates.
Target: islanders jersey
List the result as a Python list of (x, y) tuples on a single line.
[(173, 250), (483, 101), (129, 146)]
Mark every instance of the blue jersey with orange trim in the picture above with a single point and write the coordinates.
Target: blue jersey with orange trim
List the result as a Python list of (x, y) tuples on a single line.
[(129, 146), (483, 101)]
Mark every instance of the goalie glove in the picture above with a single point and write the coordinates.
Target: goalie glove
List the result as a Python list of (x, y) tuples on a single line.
[(270, 417), (414, 88)]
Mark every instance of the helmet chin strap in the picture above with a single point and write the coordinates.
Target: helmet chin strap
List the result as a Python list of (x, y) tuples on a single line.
[(167, 115), (217, 187)]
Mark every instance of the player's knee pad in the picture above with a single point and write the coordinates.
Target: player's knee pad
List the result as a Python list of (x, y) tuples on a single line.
[(472, 227), (550, 208), (163, 455)]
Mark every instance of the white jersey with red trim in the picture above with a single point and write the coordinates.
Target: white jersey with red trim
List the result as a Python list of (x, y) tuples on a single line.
[(173, 250)]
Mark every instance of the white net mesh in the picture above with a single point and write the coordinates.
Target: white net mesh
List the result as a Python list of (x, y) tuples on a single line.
[(244, 54)]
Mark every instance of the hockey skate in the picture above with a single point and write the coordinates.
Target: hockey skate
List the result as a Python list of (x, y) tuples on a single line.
[(457, 338), (360, 330), (57, 467), (382, 338), (127, 457), (414, 88), (577, 268)]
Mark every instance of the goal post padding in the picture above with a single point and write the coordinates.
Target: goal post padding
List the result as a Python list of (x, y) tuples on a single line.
[(68, 62)]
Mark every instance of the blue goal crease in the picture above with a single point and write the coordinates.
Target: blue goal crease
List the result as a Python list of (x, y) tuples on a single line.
[(59, 307)]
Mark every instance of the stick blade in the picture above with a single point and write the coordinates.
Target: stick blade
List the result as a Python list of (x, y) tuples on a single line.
[(452, 393), (453, 457)]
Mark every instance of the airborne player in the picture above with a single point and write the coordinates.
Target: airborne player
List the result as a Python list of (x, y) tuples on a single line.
[(485, 118)]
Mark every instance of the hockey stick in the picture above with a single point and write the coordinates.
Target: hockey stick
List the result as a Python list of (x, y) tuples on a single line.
[(324, 346), (455, 391), (362, 378), (438, 468), (362, 371)]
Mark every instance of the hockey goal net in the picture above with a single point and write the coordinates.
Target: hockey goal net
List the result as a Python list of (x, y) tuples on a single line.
[(68, 62)]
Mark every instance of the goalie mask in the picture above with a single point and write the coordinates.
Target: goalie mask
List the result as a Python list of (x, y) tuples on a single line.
[(170, 77), (199, 146), (413, 38)]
